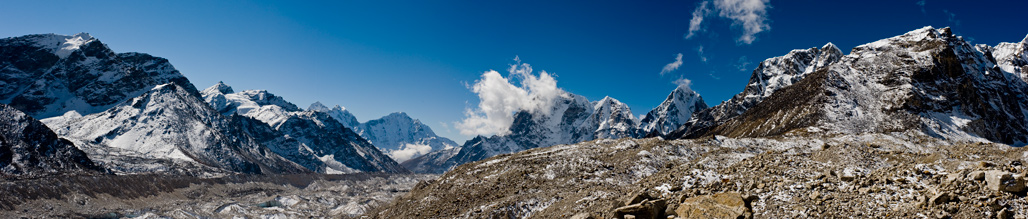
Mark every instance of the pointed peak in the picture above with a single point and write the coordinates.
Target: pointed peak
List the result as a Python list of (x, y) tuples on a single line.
[(317, 106), (1025, 40), (220, 87), (829, 46)]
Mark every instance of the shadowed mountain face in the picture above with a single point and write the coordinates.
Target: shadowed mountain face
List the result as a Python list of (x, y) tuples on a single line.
[(46, 75), (29, 149), (311, 138), (170, 123), (927, 80)]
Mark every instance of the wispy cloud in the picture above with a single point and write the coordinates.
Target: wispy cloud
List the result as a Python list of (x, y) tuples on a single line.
[(921, 4), (684, 83), (743, 63), (699, 52), (672, 66), (696, 23), (748, 15), (951, 17), (500, 97)]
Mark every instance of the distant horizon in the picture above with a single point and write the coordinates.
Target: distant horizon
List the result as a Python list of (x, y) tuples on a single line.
[(376, 58)]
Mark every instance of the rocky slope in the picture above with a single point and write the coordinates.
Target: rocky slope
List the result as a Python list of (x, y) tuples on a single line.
[(168, 124), (30, 149), (47, 75), (308, 137), (770, 76), (905, 175), (901, 127), (927, 79)]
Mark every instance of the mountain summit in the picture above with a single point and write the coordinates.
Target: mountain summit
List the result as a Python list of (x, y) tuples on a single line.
[(47, 75), (927, 81)]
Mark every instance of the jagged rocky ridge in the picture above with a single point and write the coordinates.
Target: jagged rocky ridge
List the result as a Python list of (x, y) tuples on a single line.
[(927, 80), (770, 76), (168, 124), (311, 138), (46, 75), (30, 149)]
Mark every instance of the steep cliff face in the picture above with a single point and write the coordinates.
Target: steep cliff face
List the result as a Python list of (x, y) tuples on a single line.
[(770, 76), (47, 75), (30, 149)]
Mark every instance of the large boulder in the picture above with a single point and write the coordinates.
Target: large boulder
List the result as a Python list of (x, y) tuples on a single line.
[(729, 205), (1004, 181)]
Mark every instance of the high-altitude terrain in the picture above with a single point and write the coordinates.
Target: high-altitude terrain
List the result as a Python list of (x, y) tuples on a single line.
[(921, 125)]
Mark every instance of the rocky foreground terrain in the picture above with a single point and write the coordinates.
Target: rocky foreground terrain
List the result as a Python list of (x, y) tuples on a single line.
[(235, 196), (895, 175)]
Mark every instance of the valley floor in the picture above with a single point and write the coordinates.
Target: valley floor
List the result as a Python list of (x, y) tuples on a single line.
[(159, 196)]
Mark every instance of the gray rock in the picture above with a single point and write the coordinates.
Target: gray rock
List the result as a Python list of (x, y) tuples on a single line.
[(976, 175), (999, 180), (582, 216)]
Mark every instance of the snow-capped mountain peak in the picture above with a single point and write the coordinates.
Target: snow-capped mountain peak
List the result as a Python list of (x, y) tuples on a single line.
[(676, 110), (46, 75), (63, 45), (220, 87), (403, 137), (771, 75), (338, 113)]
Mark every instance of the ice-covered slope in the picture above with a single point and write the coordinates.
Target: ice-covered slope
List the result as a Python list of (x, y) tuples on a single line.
[(571, 119), (927, 80), (1010, 57), (29, 149), (403, 137), (47, 75), (169, 124), (338, 148), (676, 110), (770, 76)]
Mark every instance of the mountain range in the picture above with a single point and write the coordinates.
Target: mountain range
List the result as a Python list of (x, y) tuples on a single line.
[(134, 113)]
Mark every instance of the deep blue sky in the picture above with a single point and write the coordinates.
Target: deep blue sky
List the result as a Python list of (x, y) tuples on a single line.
[(378, 57)]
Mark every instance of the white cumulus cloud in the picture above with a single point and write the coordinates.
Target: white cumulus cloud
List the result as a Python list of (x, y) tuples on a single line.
[(748, 15), (500, 97), (409, 151), (673, 65)]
